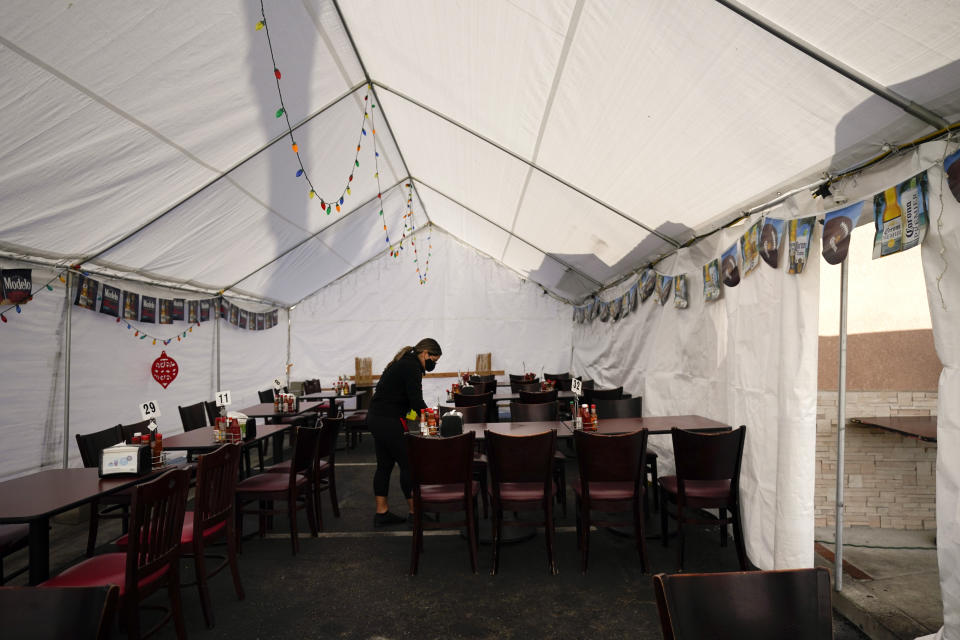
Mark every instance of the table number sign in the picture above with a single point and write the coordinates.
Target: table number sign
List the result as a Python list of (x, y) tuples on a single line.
[(223, 398), (164, 369), (576, 386), (149, 410), (277, 385)]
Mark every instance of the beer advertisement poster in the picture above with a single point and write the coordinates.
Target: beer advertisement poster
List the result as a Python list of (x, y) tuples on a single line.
[(800, 235), (749, 249), (729, 269), (193, 311), (711, 281), (274, 314), (234, 315), (243, 319), (177, 308), (664, 288), (131, 306), (648, 283), (87, 290), (261, 323), (900, 216), (680, 300), (166, 306), (148, 309), (771, 237), (224, 309), (952, 167), (15, 286), (110, 301), (204, 311), (837, 227)]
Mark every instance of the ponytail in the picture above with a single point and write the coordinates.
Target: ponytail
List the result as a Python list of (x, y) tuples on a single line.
[(431, 346), (407, 349)]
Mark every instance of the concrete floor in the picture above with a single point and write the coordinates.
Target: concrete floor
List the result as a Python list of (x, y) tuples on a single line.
[(899, 597)]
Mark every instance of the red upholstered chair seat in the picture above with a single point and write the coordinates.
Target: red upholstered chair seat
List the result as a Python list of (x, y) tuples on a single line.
[(108, 568), (269, 482), (711, 490), (608, 490), (446, 492), (186, 538), (523, 491), (284, 467)]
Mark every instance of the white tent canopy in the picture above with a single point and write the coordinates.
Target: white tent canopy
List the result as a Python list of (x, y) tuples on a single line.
[(553, 146)]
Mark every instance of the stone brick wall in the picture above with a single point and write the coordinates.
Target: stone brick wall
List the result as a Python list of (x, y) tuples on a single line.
[(890, 479)]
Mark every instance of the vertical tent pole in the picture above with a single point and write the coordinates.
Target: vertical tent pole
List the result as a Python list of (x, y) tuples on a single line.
[(288, 346), (216, 330), (66, 374), (841, 428)]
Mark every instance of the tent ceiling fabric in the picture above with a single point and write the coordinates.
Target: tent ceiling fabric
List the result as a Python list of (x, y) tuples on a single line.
[(557, 137)]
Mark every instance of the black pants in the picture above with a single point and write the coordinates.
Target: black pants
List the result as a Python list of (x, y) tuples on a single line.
[(391, 448)]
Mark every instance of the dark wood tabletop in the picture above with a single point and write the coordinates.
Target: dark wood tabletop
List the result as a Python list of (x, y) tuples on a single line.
[(265, 410), (506, 395), (656, 425), (922, 427), (199, 440), (33, 499), (328, 395)]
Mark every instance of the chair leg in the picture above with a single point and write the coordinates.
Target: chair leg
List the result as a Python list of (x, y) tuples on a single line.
[(576, 508), (680, 536), (311, 511), (260, 446), (738, 537), (664, 535), (131, 613), (472, 531), (200, 571), (562, 486), (292, 515), (652, 464), (585, 528), (639, 535), (332, 483), (496, 526), (92, 531), (232, 552), (549, 534), (176, 606), (723, 526), (316, 495), (417, 540)]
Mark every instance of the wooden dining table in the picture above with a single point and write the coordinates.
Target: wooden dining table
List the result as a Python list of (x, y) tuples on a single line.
[(198, 441), (655, 425), (35, 498), (266, 410)]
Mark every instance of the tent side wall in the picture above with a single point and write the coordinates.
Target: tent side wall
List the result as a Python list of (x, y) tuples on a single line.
[(470, 304)]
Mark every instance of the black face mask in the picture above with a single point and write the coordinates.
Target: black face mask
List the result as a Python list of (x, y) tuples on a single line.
[(429, 364)]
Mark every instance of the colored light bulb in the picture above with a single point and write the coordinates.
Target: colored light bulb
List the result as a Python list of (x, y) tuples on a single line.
[(3, 317), (351, 178), (276, 72), (341, 199), (260, 25), (363, 131), (279, 112), (338, 207), (295, 147), (136, 333), (348, 190), (312, 193), (356, 163), (154, 341), (299, 172), (18, 308), (49, 288)]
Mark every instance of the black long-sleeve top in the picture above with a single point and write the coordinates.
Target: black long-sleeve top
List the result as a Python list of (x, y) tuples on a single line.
[(400, 388)]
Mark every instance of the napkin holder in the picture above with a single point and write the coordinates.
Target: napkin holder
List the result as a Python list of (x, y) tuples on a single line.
[(125, 460), (451, 424)]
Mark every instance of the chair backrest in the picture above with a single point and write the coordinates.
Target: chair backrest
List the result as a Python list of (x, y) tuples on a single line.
[(266, 395), (557, 376), (91, 444), (536, 397), (490, 377), (217, 474), (156, 524), (516, 386), (520, 377), (127, 430), (329, 430), (708, 456), (617, 458), (527, 412), (213, 411), (305, 445), (484, 386), (473, 414), (193, 416), (469, 400), (587, 384), (308, 387), (563, 384), (620, 408), (746, 604), (592, 395), (521, 458), (441, 460), (363, 402)]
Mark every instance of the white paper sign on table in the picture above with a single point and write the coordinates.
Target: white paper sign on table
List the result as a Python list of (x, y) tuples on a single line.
[(576, 386), (149, 410), (223, 398)]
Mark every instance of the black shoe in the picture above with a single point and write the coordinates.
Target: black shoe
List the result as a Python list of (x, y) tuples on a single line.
[(386, 519)]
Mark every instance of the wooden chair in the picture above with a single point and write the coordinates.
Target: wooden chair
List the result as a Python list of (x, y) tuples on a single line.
[(213, 411), (708, 477), (591, 396), (193, 416), (441, 471), (265, 395), (484, 386), (292, 487), (545, 412), (520, 377), (557, 376), (521, 472), (13, 538), (152, 558), (323, 477), (115, 505), (485, 399), (633, 408), (524, 385), (611, 470), (792, 604), (538, 397)]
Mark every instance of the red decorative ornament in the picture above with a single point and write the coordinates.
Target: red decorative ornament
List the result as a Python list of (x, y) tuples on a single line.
[(164, 369)]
